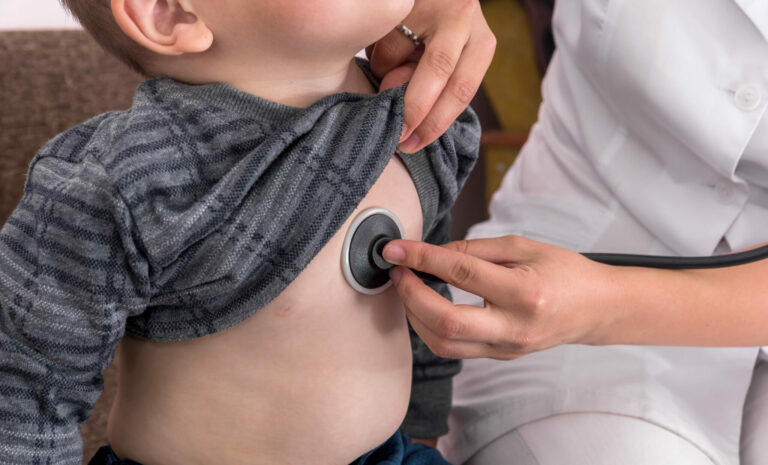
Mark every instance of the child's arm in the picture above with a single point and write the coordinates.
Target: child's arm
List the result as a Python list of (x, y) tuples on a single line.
[(70, 275), (439, 176)]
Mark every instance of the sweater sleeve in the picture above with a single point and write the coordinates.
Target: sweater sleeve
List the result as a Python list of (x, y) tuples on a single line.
[(70, 276), (432, 384), (439, 176), (440, 170)]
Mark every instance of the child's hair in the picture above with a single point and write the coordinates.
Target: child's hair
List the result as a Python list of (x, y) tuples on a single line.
[(96, 17)]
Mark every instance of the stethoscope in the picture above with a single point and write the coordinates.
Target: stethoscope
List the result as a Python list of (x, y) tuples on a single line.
[(367, 272)]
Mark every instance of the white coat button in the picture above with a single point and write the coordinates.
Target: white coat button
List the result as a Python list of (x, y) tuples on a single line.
[(747, 97)]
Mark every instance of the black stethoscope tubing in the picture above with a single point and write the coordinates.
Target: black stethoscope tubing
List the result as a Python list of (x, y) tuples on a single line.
[(680, 263)]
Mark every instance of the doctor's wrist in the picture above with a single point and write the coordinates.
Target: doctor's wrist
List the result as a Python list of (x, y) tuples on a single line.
[(644, 305)]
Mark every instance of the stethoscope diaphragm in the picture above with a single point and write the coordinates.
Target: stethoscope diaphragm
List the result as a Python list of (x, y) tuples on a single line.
[(364, 268)]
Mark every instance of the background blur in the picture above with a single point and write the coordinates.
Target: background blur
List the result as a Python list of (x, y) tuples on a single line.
[(34, 14)]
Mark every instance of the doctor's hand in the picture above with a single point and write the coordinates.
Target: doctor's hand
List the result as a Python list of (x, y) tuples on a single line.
[(536, 296), (445, 75)]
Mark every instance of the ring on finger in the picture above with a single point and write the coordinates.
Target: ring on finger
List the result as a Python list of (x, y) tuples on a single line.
[(408, 32)]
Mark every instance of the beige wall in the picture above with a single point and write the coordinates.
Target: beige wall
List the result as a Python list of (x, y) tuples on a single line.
[(34, 14)]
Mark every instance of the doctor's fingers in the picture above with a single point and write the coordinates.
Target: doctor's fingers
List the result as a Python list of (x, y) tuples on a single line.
[(397, 77), (505, 250), (445, 82), (455, 17), (451, 348), (449, 73), (391, 52), (488, 280), (462, 331), (452, 331)]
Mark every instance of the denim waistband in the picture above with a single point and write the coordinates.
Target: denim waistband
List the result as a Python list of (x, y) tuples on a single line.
[(397, 450)]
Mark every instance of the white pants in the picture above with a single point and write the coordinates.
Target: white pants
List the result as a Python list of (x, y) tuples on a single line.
[(609, 439)]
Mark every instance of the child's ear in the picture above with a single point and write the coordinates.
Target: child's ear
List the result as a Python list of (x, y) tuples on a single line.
[(167, 27)]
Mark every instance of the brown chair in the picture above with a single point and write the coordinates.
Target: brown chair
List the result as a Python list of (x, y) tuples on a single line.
[(50, 81)]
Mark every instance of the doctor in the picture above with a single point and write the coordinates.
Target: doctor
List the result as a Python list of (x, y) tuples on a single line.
[(652, 139)]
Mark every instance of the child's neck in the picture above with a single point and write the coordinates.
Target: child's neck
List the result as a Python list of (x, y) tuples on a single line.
[(305, 86)]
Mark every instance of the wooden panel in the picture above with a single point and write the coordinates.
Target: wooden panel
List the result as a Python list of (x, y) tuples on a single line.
[(512, 85)]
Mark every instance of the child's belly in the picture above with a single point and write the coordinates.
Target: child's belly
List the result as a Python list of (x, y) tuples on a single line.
[(319, 376)]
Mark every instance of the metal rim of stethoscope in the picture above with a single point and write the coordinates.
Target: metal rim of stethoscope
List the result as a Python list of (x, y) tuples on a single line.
[(345, 251)]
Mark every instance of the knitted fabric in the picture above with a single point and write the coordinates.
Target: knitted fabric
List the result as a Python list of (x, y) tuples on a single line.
[(175, 219)]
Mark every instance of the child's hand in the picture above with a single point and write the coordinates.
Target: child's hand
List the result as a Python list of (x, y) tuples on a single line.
[(459, 47)]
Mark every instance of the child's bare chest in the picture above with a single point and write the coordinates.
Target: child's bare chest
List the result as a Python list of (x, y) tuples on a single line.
[(319, 375)]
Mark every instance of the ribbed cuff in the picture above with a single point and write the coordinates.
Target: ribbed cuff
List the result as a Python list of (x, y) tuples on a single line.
[(428, 410), (26, 448)]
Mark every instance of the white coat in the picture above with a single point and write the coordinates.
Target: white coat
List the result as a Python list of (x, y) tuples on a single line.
[(651, 139)]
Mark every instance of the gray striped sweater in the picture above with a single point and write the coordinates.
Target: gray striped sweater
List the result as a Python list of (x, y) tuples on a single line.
[(178, 218)]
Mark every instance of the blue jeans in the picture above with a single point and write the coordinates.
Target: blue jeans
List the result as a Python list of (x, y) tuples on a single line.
[(396, 450)]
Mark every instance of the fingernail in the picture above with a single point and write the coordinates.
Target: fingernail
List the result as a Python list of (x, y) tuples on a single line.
[(393, 254), (395, 274), (403, 132), (409, 146)]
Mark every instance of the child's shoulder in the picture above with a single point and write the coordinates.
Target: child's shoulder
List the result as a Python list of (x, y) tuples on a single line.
[(154, 131)]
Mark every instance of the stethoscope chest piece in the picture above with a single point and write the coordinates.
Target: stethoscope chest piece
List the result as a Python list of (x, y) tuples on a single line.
[(364, 268)]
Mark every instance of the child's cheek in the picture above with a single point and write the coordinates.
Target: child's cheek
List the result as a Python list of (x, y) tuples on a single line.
[(304, 16), (330, 21)]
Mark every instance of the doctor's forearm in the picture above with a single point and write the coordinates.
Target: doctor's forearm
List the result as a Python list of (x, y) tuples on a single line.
[(537, 296), (714, 307)]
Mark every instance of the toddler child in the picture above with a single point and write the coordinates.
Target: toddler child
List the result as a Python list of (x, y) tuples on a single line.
[(205, 224)]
